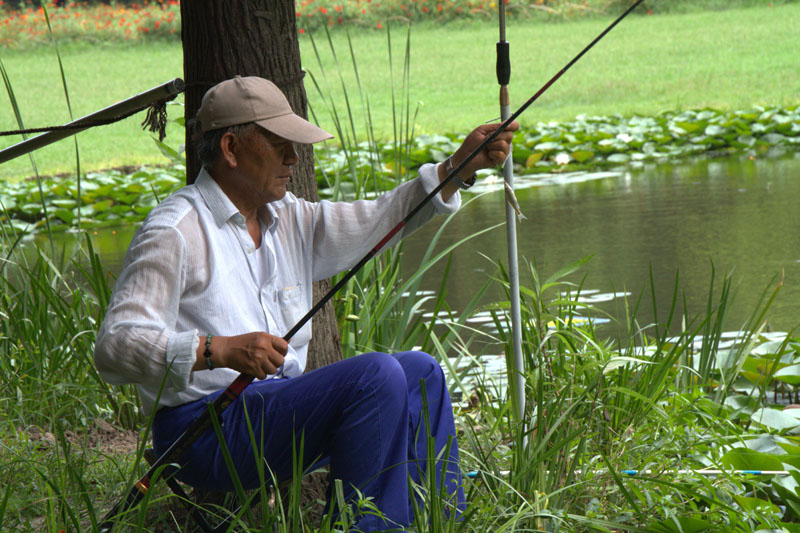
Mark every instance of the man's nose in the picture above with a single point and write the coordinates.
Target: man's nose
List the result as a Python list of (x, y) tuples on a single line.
[(291, 156)]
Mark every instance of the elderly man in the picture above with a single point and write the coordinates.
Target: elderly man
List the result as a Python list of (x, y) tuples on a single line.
[(220, 270)]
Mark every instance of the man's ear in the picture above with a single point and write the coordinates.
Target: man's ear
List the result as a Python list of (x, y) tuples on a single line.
[(228, 144)]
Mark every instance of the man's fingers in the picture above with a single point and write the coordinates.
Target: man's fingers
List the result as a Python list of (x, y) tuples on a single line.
[(494, 152), (509, 130), (269, 368), (258, 354), (280, 345), (498, 156), (488, 129)]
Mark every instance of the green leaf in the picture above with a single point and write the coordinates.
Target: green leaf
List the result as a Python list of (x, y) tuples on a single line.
[(775, 419), (64, 214), (681, 524), (67, 203), (8, 202), (744, 459), (533, 159), (773, 138), (742, 403), (757, 505), (120, 209), (789, 374), (581, 156), (101, 206), (769, 347), (548, 147), (618, 158), (33, 209), (169, 152), (766, 443), (714, 130), (689, 127)]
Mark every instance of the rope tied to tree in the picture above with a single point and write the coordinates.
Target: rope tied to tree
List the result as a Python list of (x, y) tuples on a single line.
[(282, 82), (156, 120)]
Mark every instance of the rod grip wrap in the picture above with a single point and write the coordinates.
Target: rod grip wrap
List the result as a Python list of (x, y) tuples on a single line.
[(503, 63)]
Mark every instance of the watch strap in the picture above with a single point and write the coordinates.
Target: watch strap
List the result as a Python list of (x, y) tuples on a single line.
[(448, 167)]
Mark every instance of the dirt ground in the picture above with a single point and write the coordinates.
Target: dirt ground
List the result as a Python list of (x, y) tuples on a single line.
[(103, 437)]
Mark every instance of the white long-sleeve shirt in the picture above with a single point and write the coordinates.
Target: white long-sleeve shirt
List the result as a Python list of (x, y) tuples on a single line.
[(192, 269)]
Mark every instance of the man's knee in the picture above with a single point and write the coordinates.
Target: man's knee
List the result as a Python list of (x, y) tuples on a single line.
[(420, 365), (383, 373)]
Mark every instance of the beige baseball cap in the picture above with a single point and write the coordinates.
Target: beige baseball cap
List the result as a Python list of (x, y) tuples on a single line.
[(252, 99)]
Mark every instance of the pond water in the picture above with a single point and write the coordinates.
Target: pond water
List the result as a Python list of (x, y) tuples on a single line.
[(739, 215)]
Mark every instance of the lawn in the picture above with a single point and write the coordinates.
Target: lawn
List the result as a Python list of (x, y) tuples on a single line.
[(723, 59)]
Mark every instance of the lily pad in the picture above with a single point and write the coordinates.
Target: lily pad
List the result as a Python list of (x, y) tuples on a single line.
[(713, 130), (789, 374), (774, 419), (581, 156), (533, 159), (618, 158), (745, 459)]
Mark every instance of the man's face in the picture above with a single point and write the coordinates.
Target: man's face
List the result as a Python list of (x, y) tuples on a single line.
[(265, 162)]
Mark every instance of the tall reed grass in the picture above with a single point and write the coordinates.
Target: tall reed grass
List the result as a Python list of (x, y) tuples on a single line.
[(596, 406)]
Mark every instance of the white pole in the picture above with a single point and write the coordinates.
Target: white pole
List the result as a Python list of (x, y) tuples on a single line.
[(503, 77)]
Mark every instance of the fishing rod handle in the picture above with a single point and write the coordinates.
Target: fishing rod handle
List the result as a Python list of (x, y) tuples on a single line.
[(503, 66)]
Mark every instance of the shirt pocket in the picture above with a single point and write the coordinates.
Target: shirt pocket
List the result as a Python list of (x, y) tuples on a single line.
[(293, 308)]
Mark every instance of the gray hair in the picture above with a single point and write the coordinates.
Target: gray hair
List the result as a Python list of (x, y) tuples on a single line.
[(206, 144)]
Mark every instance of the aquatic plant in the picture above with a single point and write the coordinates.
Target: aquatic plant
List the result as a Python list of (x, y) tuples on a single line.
[(354, 170)]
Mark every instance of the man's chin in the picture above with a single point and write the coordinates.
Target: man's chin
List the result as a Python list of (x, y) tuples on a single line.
[(277, 194)]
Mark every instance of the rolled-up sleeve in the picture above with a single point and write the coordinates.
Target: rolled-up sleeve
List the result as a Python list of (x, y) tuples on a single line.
[(137, 342), (345, 232)]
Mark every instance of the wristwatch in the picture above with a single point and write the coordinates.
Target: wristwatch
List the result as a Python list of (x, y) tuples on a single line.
[(448, 168)]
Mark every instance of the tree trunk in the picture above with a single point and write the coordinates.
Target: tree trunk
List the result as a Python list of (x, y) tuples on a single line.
[(254, 38)]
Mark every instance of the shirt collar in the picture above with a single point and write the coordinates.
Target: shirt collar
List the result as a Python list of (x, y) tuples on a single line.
[(269, 217), (221, 207)]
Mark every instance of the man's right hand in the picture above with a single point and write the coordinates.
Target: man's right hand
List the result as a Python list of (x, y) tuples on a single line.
[(257, 354)]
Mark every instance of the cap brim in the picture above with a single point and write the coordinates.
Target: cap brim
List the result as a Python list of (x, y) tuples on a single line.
[(295, 129)]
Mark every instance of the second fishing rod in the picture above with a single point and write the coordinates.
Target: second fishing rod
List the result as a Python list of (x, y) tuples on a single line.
[(232, 392)]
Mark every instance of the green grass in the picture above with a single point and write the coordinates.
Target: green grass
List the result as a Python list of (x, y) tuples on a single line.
[(724, 59), (648, 64), (97, 77)]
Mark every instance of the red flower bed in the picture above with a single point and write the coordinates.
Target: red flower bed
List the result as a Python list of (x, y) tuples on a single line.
[(81, 21), (97, 22)]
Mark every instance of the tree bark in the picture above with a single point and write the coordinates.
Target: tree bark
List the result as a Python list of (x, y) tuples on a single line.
[(254, 38)]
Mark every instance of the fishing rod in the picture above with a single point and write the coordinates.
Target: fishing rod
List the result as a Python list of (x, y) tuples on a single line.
[(204, 421)]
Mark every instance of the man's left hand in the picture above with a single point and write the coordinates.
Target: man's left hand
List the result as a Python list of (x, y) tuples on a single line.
[(492, 154)]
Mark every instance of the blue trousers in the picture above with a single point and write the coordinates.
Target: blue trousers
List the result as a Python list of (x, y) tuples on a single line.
[(363, 414)]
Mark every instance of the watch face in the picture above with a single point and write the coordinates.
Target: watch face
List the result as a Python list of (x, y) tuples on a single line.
[(465, 184)]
